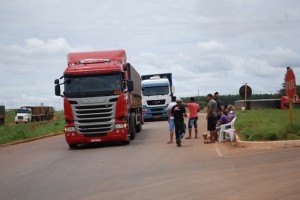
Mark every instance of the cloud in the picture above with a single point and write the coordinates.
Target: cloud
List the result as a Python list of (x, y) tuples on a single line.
[(29, 70), (282, 57), (207, 45), (211, 47)]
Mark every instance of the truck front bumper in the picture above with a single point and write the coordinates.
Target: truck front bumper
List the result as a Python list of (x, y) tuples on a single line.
[(155, 112), (116, 135)]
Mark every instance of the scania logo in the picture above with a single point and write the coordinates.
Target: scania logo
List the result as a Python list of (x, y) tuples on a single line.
[(92, 100)]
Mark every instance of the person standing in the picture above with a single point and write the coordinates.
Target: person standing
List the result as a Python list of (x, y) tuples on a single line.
[(178, 111), (211, 117), (219, 104), (193, 117), (171, 119)]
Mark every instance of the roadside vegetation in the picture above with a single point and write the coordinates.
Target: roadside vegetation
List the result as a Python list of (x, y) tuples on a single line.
[(268, 125), (12, 132)]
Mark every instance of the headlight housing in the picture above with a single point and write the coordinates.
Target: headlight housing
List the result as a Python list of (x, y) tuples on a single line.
[(118, 126), (70, 129)]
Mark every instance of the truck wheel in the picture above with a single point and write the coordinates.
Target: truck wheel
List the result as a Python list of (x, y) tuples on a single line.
[(73, 146), (132, 126), (138, 127)]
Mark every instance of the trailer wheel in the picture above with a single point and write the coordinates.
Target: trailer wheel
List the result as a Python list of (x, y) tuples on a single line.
[(132, 126), (73, 146), (138, 127)]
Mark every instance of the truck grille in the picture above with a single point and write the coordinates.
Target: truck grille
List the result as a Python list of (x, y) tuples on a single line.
[(20, 117), (157, 111), (156, 102), (94, 119)]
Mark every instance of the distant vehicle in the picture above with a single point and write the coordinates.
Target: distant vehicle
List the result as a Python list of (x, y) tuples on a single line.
[(157, 91), (102, 98), (2, 115), (285, 102), (34, 113)]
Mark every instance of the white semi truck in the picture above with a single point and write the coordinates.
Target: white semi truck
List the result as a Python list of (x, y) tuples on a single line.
[(34, 113), (157, 91)]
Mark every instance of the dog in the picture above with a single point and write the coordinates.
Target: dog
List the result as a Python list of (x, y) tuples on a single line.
[(206, 138)]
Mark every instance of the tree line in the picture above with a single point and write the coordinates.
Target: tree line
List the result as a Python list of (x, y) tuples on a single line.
[(231, 98)]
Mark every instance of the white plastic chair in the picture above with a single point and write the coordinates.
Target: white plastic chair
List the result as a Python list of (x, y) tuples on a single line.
[(229, 131)]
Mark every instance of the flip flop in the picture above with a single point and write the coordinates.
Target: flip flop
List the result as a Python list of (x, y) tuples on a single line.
[(188, 138), (169, 142)]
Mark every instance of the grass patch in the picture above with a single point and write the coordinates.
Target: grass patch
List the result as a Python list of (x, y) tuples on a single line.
[(16, 132), (10, 117), (267, 125)]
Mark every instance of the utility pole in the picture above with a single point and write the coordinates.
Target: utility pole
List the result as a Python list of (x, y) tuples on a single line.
[(198, 97), (245, 96)]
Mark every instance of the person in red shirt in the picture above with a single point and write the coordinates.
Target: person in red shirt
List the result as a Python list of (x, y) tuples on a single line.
[(193, 117)]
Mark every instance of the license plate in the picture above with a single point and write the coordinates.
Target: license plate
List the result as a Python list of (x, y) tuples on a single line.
[(96, 140), (157, 116)]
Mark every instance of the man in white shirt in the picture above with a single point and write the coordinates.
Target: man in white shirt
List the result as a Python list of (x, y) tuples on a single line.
[(171, 119)]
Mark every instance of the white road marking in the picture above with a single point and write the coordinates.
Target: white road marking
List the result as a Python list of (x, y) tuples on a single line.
[(218, 151)]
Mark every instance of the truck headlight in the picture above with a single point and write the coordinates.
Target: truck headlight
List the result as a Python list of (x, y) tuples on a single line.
[(145, 110), (118, 126), (70, 129)]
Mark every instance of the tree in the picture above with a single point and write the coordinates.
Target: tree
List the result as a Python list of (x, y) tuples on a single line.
[(282, 91)]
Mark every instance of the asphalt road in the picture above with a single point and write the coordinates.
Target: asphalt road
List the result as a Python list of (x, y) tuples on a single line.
[(148, 168)]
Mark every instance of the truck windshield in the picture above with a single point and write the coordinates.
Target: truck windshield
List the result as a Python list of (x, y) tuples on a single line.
[(23, 111), (157, 90), (88, 86)]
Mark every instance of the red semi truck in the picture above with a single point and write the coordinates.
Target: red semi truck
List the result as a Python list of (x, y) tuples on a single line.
[(102, 98)]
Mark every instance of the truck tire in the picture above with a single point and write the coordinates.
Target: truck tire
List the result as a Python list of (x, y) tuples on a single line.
[(73, 146), (132, 126), (138, 127)]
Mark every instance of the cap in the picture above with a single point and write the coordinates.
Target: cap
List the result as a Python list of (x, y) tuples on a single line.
[(178, 100)]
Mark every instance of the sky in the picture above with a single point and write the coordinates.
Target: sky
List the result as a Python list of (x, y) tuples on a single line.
[(207, 45)]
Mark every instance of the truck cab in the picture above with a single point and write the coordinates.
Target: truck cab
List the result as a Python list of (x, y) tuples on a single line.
[(23, 115), (157, 90), (102, 98)]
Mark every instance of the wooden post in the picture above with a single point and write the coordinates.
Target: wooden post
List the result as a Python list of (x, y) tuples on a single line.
[(291, 111)]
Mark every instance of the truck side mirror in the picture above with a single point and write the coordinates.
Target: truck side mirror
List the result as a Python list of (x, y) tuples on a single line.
[(126, 66), (57, 90), (56, 81), (130, 85), (172, 89)]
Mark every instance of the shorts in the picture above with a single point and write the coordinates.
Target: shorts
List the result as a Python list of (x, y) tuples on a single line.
[(193, 121), (211, 123), (171, 125)]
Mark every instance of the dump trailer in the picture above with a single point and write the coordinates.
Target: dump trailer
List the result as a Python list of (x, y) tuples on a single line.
[(2, 115), (34, 113), (102, 98), (157, 91)]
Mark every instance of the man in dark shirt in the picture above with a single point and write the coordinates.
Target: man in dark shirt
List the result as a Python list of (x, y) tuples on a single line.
[(217, 99), (178, 111), (211, 117)]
